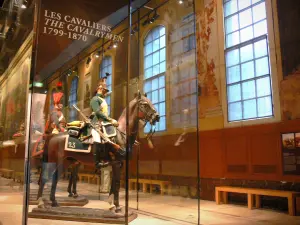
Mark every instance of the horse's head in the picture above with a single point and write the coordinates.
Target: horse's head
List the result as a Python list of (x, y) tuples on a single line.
[(147, 111)]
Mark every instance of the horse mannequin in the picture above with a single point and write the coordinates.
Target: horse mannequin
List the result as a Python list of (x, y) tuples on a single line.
[(140, 110)]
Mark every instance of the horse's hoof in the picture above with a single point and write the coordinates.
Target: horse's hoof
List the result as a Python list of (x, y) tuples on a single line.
[(70, 195), (75, 195), (118, 209), (55, 204)]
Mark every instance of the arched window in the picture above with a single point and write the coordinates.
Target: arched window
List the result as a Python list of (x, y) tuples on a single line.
[(73, 99), (154, 72), (106, 67)]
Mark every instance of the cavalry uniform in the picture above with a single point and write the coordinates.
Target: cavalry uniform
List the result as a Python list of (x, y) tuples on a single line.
[(100, 114), (56, 122)]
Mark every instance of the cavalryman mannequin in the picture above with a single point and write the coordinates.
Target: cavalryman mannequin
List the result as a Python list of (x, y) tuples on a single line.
[(100, 110), (57, 121)]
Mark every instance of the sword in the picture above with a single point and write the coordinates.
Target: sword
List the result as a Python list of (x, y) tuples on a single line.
[(87, 120)]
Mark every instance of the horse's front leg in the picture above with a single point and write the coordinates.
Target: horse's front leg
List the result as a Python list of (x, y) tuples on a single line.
[(116, 183), (75, 179), (42, 182), (70, 183), (53, 188)]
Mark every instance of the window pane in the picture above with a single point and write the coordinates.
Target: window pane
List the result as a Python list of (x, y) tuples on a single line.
[(246, 33), (245, 18), (154, 96), (148, 73), (147, 128), (155, 84), (163, 41), (147, 86), (155, 33), (244, 4), (262, 66), (247, 70), (232, 39), (148, 49), (155, 70), (260, 48), (155, 45), (162, 31), (234, 93), (155, 58), (263, 87), (232, 57), (230, 7), (161, 81), (162, 95), (162, 67), (232, 24), (162, 56), (248, 89), (235, 111), (162, 123), (250, 109), (162, 109), (260, 28), (233, 74), (259, 12), (148, 61), (264, 106), (148, 38), (255, 1), (246, 53)]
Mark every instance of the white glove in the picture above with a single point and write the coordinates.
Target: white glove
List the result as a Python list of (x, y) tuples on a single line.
[(114, 122)]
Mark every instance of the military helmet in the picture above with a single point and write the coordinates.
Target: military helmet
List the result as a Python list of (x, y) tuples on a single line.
[(102, 84)]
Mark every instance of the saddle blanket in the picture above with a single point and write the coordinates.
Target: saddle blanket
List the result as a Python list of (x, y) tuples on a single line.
[(74, 145)]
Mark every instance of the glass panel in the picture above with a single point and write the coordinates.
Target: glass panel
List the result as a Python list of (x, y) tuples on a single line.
[(148, 61), (162, 55), (260, 28), (246, 33), (155, 84), (230, 7), (247, 70), (162, 42), (245, 18), (155, 96), (155, 58), (148, 49), (250, 109), (233, 39), (162, 96), (235, 111), (232, 24), (248, 89), (232, 57), (260, 48), (234, 93), (262, 66), (244, 4), (259, 12), (233, 74), (246, 53), (156, 45), (162, 67), (263, 87), (264, 106)]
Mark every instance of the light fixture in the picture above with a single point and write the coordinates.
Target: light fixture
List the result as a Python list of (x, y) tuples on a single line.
[(23, 6), (155, 17), (75, 69), (180, 2), (115, 45), (88, 60), (97, 55)]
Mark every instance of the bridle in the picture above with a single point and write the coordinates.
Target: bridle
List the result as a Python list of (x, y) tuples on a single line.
[(149, 116)]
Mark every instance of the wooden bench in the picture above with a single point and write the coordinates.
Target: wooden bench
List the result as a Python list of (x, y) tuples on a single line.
[(90, 177), (222, 194), (164, 185), (7, 173)]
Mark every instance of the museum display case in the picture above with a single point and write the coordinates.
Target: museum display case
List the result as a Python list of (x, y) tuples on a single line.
[(105, 112)]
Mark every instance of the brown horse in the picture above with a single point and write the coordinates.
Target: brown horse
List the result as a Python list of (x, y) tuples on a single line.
[(56, 158)]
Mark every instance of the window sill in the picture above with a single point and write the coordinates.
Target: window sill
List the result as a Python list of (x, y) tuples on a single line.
[(251, 122)]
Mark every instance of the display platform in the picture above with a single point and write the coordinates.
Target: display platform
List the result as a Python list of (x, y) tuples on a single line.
[(62, 201), (82, 215)]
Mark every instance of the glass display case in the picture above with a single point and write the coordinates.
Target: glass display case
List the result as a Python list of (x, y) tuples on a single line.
[(99, 113)]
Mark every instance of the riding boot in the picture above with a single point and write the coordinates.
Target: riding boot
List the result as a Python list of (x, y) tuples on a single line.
[(96, 152)]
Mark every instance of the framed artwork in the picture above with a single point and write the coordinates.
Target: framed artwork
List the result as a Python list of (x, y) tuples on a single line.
[(87, 92), (290, 143)]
